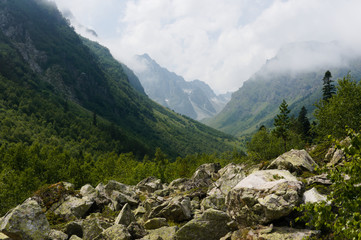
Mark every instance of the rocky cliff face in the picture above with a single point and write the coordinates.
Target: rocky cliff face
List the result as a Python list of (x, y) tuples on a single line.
[(234, 202), (194, 99)]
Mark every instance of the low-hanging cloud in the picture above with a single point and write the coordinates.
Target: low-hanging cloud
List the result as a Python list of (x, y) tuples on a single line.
[(220, 42)]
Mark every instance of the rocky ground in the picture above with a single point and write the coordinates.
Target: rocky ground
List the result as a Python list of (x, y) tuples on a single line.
[(234, 202)]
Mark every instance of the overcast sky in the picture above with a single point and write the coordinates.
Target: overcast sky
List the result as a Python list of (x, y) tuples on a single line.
[(221, 42)]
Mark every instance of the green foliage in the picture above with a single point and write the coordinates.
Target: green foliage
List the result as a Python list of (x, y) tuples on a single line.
[(341, 214), (341, 110), (265, 145), (303, 125), (282, 123), (328, 88)]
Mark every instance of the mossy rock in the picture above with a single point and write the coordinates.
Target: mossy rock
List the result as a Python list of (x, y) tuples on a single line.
[(50, 194)]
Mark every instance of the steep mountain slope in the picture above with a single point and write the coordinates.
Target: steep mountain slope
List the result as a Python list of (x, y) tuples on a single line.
[(295, 74), (41, 53), (194, 99)]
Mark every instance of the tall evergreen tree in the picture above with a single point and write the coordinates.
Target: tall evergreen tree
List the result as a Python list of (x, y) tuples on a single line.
[(282, 123), (328, 87), (304, 125)]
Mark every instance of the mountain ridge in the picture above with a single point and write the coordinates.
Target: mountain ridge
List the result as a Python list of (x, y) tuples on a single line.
[(58, 62), (256, 102), (194, 99)]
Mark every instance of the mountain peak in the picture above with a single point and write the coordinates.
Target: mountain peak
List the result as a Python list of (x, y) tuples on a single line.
[(194, 99)]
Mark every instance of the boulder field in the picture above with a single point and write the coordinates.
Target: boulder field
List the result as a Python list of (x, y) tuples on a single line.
[(229, 203)]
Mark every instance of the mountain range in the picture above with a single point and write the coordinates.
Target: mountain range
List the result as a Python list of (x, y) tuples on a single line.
[(294, 74), (80, 82), (194, 99)]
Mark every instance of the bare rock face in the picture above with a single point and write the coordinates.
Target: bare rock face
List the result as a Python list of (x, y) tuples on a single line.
[(27, 221), (264, 196), (294, 161)]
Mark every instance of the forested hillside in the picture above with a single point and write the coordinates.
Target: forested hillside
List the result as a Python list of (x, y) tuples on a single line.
[(68, 108), (290, 76)]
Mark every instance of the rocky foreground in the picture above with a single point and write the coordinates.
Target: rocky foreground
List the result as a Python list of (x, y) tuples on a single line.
[(234, 202)]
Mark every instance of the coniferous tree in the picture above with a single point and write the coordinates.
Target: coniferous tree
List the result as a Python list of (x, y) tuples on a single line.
[(328, 88), (282, 123), (304, 124)]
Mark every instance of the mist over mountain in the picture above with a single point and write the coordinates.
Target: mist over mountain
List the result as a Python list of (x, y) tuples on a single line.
[(194, 99), (294, 74)]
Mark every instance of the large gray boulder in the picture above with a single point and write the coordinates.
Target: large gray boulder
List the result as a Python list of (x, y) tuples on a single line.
[(215, 201), (74, 206), (230, 176), (125, 216), (93, 227), (115, 195), (164, 233), (264, 196), (294, 161), (115, 232), (178, 209), (118, 199), (120, 187), (87, 191), (211, 225), (26, 221), (150, 185), (199, 183), (206, 171)]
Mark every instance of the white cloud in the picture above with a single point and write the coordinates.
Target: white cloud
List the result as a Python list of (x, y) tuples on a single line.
[(220, 42)]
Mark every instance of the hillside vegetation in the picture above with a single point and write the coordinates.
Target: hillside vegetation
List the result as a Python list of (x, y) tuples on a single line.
[(256, 102), (68, 107)]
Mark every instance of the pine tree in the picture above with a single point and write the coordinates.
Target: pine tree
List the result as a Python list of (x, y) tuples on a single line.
[(304, 125), (282, 123), (328, 87)]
